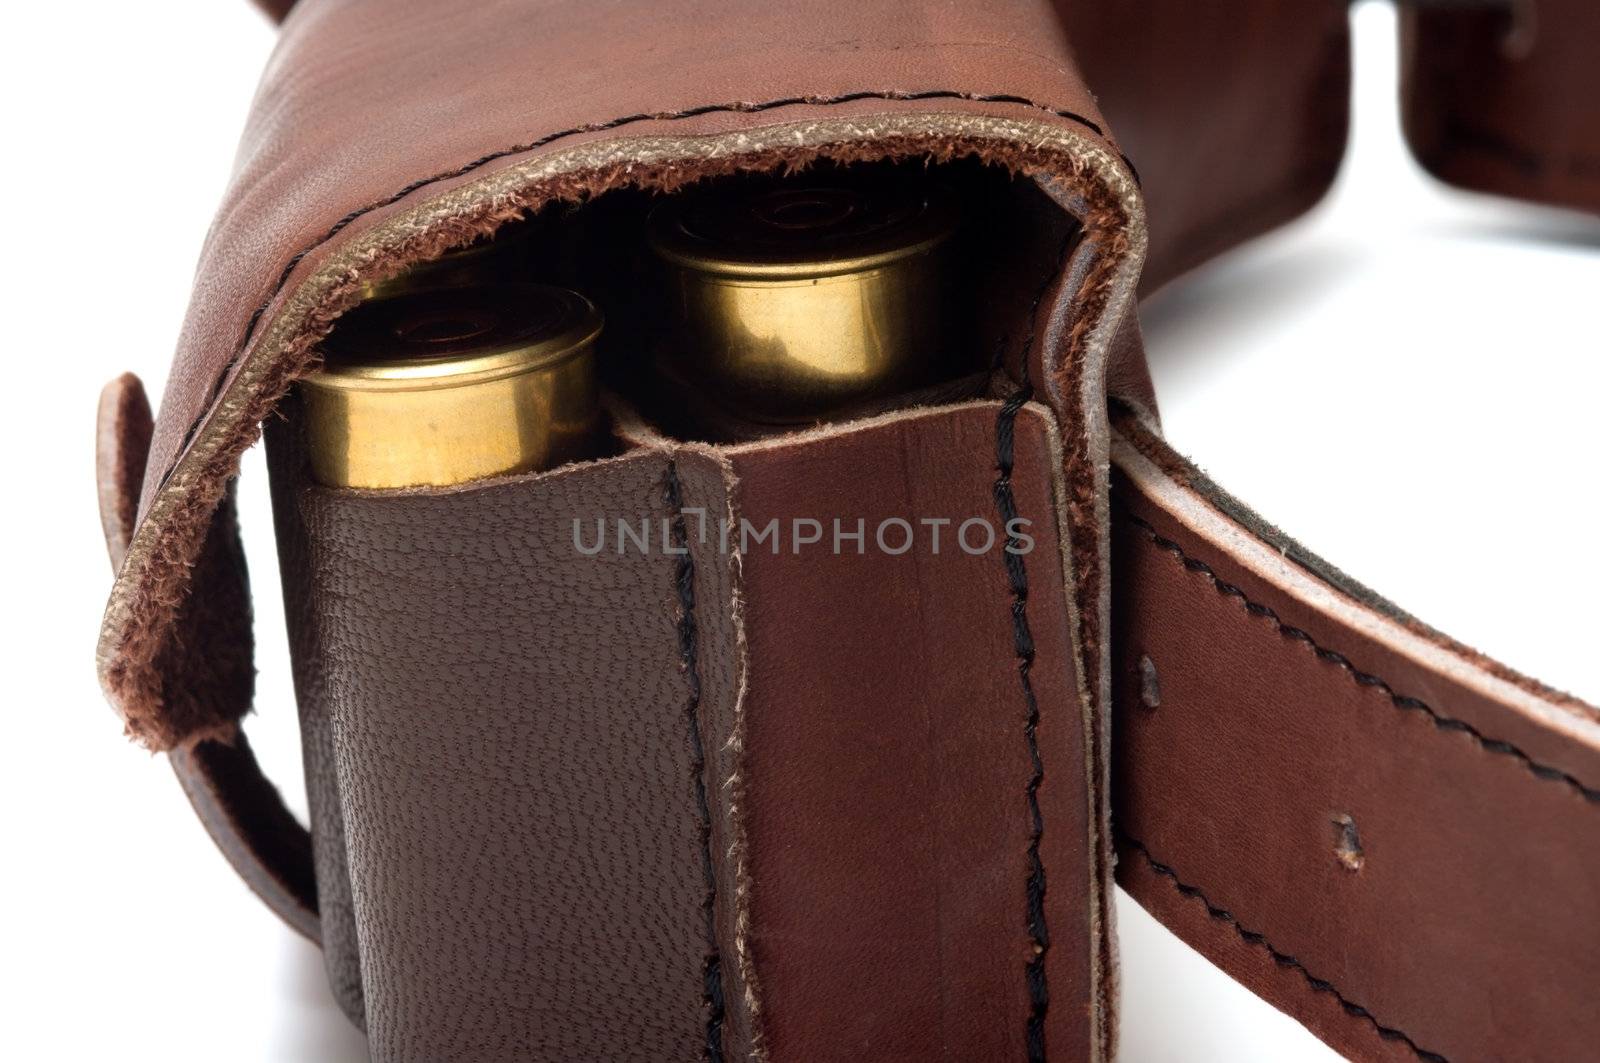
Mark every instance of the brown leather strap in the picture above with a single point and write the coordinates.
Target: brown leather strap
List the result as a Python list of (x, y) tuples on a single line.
[(241, 810), (1388, 836), (121, 447), (1499, 96), (1234, 113), (245, 815)]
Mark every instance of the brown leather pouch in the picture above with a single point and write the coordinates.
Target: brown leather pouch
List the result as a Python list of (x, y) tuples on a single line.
[(691, 798), (693, 802)]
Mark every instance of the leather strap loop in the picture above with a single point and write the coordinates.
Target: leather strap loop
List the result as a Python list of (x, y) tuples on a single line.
[(245, 815), (239, 807)]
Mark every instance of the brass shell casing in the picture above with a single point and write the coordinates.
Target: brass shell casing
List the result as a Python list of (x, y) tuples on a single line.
[(442, 387), (789, 301)]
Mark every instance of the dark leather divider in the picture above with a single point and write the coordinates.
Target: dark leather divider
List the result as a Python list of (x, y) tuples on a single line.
[(795, 803), (518, 789), (916, 752)]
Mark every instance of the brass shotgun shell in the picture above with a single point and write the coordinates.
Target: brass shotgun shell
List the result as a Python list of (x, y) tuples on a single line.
[(452, 385), (788, 301)]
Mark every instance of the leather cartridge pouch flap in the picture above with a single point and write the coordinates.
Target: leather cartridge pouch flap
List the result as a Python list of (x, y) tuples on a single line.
[(805, 804)]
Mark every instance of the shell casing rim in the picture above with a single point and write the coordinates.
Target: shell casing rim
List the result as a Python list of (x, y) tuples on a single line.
[(714, 267), (674, 245), (474, 366)]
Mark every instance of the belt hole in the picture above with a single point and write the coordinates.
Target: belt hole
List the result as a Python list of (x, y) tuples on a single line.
[(1523, 31), (1149, 683), (1347, 843)]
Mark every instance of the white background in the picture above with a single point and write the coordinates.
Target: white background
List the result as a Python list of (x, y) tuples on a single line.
[(1406, 380)]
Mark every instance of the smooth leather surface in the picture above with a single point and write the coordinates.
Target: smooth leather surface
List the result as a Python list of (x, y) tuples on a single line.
[(1384, 835), (889, 760), (1233, 113), (574, 788), (350, 116), (1500, 97)]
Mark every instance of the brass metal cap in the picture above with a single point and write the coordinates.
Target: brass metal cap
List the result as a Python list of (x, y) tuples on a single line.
[(446, 386), (790, 300)]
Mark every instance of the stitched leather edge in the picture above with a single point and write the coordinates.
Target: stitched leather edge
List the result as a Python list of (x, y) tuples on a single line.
[(688, 636), (1017, 575), (1281, 958), (1022, 634), (743, 1030), (550, 138), (1138, 431), (1403, 702), (136, 612)]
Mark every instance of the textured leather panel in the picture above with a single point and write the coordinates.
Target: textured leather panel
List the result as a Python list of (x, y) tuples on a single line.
[(1359, 828), (889, 759), (519, 799), (632, 805), (1235, 113), (1502, 98), (286, 465)]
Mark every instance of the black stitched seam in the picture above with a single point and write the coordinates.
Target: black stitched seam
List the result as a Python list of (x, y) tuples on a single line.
[(596, 127), (1365, 679), (1528, 163), (711, 972), (1281, 958), (1022, 636)]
